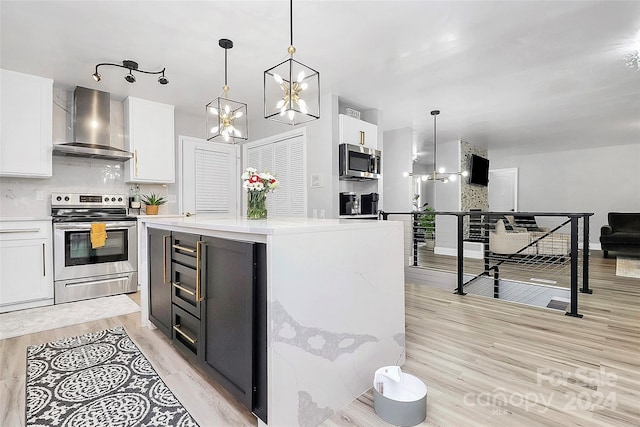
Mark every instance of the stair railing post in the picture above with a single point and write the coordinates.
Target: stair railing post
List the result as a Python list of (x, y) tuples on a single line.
[(585, 256), (574, 268), (460, 288), (414, 230)]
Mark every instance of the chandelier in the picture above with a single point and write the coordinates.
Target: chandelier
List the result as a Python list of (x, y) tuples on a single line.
[(632, 57), (131, 66), (225, 117), (291, 89), (440, 174)]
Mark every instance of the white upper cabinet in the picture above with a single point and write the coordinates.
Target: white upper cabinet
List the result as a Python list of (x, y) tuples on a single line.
[(149, 135), (358, 132), (26, 125)]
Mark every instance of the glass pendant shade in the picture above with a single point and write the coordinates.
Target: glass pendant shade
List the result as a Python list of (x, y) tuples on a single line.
[(227, 119), (291, 103)]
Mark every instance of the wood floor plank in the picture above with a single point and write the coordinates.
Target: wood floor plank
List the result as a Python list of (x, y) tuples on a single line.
[(485, 362)]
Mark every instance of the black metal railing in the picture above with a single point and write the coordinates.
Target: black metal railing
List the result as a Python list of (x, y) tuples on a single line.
[(479, 226)]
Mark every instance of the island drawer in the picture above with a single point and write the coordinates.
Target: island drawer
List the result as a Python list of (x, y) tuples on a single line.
[(185, 249), (185, 290), (186, 332)]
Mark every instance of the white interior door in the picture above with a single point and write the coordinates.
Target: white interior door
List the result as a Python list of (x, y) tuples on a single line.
[(503, 190), (209, 177)]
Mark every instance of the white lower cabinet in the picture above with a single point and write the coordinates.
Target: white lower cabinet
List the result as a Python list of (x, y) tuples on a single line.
[(26, 265)]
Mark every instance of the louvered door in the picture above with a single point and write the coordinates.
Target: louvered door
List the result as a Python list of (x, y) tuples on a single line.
[(210, 179), (284, 156)]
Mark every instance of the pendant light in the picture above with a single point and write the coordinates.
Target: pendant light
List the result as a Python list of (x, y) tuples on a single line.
[(225, 117), (291, 89), (439, 174)]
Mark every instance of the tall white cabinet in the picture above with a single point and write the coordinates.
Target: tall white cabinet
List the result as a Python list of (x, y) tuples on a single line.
[(26, 125), (26, 265), (149, 135)]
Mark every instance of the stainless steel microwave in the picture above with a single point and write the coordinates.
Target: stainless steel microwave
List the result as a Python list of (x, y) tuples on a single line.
[(359, 163)]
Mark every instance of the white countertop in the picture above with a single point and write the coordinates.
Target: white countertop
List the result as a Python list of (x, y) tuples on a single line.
[(268, 226)]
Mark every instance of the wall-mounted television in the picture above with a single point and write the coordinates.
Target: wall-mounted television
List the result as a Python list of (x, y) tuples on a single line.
[(479, 174)]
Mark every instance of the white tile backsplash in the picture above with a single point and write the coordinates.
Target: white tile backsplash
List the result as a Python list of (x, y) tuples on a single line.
[(22, 197), (19, 196)]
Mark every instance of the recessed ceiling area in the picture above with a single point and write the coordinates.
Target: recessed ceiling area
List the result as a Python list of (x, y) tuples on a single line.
[(528, 75)]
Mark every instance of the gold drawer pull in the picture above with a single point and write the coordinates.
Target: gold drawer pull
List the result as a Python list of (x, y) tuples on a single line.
[(184, 248), (182, 288), (198, 271), (164, 254), (187, 337)]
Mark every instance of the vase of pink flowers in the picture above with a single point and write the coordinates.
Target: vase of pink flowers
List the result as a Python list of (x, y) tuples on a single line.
[(258, 184)]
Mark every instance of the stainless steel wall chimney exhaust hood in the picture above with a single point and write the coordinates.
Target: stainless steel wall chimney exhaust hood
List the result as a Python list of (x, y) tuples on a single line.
[(91, 133)]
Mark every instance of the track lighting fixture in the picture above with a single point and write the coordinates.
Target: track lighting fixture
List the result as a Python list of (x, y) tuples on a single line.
[(131, 66)]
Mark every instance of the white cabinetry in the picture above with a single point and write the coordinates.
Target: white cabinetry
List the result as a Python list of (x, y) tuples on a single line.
[(149, 135), (358, 132), (26, 265), (26, 125)]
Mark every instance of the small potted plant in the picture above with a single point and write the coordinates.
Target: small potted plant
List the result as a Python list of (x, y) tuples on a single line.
[(152, 202), (426, 224)]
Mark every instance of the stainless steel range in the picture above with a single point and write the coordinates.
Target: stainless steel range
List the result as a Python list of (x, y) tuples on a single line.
[(80, 270)]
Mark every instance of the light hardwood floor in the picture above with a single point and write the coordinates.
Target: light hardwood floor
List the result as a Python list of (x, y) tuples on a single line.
[(485, 362)]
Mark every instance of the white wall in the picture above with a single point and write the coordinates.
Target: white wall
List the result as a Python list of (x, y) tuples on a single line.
[(397, 158), (447, 198), (598, 180)]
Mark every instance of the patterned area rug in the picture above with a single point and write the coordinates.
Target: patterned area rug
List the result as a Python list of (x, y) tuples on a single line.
[(628, 267), (97, 379)]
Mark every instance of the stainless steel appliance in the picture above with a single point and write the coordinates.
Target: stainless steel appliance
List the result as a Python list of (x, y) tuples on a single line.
[(91, 116), (80, 271), (359, 163), (369, 203), (348, 203)]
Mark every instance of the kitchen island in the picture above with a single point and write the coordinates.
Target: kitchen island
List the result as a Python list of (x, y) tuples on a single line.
[(334, 296)]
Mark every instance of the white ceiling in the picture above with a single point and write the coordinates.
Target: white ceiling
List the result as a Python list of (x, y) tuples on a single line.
[(537, 75)]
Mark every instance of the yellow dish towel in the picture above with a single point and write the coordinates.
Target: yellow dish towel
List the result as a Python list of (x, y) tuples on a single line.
[(98, 235)]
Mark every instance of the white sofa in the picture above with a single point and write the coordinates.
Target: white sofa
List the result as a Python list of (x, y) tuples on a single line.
[(505, 242)]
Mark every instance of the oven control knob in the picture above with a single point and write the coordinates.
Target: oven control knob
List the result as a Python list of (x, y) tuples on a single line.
[(119, 199), (59, 198), (66, 198), (113, 199), (106, 199)]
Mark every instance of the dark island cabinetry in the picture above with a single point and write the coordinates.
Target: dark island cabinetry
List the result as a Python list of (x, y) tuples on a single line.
[(215, 303), (160, 279)]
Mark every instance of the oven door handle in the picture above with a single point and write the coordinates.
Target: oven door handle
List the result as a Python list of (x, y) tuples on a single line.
[(82, 227)]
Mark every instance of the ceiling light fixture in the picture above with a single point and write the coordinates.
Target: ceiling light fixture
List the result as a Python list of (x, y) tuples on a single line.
[(440, 174), (291, 89), (632, 57), (225, 117), (131, 66)]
